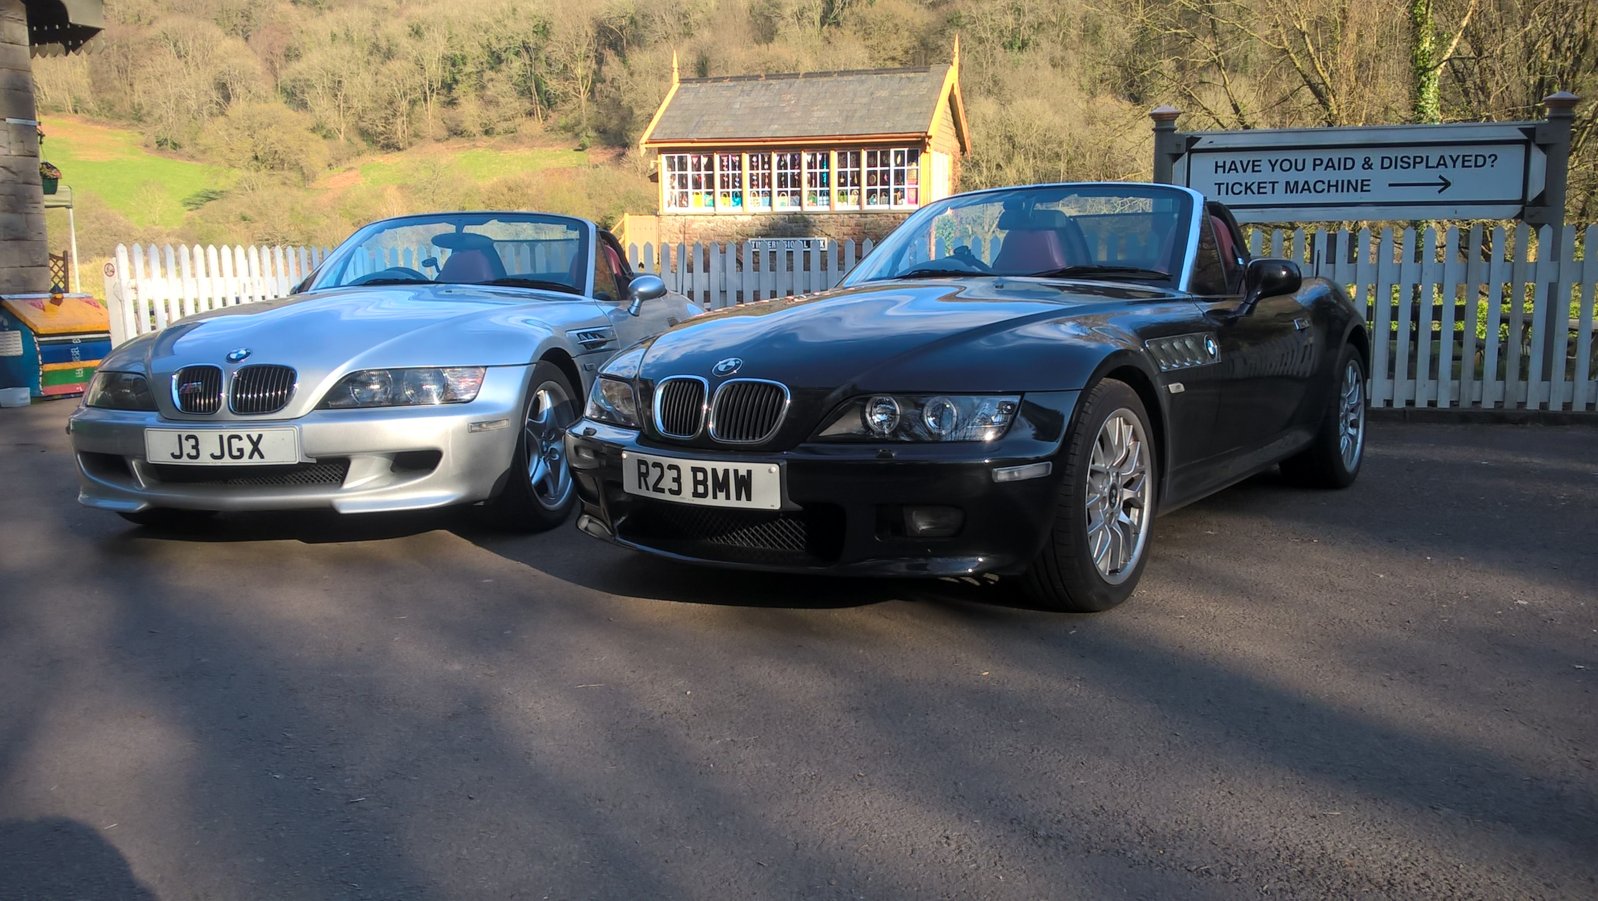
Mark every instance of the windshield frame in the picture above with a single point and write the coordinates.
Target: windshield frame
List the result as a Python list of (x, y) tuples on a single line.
[(874, 266), (333, 266)]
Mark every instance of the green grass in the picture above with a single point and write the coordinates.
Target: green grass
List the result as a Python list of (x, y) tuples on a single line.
[(108, 165), (477, 164)]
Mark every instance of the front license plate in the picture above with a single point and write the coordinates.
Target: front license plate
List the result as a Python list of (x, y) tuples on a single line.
[(253, 447), (756, 486)]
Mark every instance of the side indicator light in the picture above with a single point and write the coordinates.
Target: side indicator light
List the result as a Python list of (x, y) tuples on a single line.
[(1022, 473)]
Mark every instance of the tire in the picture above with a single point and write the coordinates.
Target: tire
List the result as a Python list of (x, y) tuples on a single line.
[(1109, 465), (167, 518), (538, 493), (1334, 456)]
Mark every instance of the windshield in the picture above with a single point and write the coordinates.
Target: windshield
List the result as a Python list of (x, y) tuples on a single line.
[(518, 249), (1103, 231)]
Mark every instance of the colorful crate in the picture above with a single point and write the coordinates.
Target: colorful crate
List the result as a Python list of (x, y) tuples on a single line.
[(51, 344)]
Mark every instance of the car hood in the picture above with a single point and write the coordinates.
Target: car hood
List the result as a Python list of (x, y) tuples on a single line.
[(402, 325), (923, 335)]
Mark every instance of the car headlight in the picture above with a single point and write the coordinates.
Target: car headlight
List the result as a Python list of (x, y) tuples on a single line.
[(613, 401), (922, 417), (119, 391), (406, 387)]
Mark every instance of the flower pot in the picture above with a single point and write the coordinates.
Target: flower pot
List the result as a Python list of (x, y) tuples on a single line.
[(49, 184)]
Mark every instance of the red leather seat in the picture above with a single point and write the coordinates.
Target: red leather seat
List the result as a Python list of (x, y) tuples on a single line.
[(1029, 250), (470, 266)]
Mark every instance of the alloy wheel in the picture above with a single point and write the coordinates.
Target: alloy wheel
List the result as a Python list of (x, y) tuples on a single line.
[(1118, 496), (1351, 416), (548, 416)]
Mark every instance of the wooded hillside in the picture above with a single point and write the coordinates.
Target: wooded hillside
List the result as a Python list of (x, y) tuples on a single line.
[(290, 92)]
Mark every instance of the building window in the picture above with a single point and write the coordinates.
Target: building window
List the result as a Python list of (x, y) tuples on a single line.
[(729, 181), (818, 180), (893, 178), (676, 166), (879, 174), (701, 177), (906, 172), (849, 179), (886, 178), (788, 181), (760, 181), (689, 179)]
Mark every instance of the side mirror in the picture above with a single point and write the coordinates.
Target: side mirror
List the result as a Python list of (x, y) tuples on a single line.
[(1269, 278), (642, 288)]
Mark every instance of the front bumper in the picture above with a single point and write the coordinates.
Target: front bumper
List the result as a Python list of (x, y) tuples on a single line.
[(351, 461), (843, 509)]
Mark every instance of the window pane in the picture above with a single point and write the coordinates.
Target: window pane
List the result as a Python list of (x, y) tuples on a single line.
[(818, 180), (787, 181), (701, 175), (729, 181), (760, 181), (849, 178), (676, 181), (879, 179)]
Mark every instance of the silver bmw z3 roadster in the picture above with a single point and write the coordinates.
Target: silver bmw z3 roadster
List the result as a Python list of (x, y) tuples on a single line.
[(430, 360)]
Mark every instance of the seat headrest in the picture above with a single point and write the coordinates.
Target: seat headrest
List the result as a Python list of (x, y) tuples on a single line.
[(1018, 219)]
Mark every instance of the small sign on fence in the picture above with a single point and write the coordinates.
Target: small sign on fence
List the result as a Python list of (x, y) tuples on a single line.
[(788, 243)]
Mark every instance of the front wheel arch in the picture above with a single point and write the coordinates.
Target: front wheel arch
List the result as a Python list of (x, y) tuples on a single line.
[(568, 367), (1149, 393)]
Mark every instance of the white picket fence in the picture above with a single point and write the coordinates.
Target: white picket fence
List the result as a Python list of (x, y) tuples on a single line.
[(1473, 318), (149, 287)]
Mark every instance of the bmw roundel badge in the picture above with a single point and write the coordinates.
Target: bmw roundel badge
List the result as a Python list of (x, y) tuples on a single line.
[(727, 367), (238, 356)]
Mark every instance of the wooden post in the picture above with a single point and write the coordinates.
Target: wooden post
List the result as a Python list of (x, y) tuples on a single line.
[(1167, 143)]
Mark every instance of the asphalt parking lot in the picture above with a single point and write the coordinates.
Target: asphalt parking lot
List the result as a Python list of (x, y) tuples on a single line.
[(1390, 691)]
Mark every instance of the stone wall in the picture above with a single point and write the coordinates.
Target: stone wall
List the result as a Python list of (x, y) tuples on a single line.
[(721, 229), (24, 255)]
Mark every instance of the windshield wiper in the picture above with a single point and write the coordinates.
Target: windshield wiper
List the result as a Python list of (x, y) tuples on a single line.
[(1101, 272), (516, 282)]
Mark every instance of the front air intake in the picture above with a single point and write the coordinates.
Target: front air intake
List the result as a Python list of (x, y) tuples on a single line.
[(680, 406), (261, 389), (198, 389), (747, 411)]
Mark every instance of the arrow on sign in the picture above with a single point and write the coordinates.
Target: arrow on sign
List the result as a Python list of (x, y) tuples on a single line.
[(1442, 183)]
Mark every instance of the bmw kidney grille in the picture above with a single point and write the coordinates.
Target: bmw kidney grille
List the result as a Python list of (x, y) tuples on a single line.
[(262, 389), (198, 389), (680, 406), (747, 411)]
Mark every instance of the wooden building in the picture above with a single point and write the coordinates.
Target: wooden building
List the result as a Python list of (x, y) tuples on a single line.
[(832, 154)]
